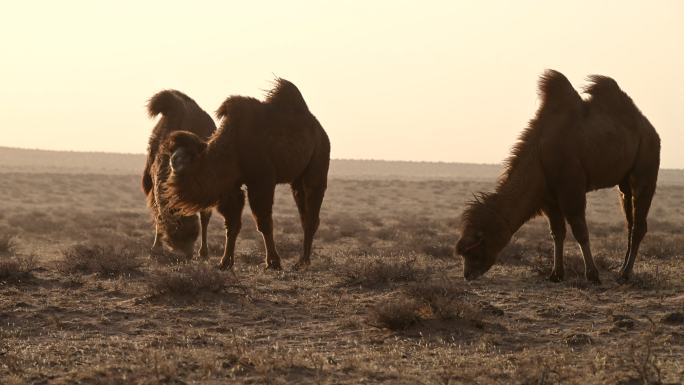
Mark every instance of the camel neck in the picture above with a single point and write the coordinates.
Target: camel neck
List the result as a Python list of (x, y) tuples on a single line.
[(519, 196), (220, 168)]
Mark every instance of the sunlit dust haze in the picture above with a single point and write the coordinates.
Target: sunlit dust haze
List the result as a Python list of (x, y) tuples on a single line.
[(429, 81)]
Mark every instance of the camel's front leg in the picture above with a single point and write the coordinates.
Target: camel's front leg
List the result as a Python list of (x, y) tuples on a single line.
[(204, 223), (558, 231), (231, 208), (157, 247), (261, 201), (581, 233)]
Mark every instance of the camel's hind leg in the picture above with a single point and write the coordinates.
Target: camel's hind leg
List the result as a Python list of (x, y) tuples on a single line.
[(205, 216), (308, 195), (230, 206), (642, 195), (626, 201), (261, 201)]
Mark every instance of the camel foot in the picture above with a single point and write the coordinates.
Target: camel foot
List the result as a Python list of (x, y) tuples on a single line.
[(225, 264), (273, 265), (623, 278), (302, 264), (557, 276), (203, 253), (593, 277), (156, 252)]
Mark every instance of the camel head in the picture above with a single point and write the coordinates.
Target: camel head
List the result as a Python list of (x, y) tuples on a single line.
[(484, 234), (177, 231), (185, 149)]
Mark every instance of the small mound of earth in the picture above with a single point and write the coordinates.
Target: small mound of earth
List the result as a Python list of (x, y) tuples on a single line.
[(623, 322), (676, 318), (488, 308), (578, 339)]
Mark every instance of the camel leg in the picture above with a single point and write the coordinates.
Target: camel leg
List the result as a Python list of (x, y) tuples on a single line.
[(573, 202), (299, 195), (309, 198), (578, 224), (204, 223), (231, 208), (626, 201), (641, 201), (261, 201), (558, 231), (157, 247)]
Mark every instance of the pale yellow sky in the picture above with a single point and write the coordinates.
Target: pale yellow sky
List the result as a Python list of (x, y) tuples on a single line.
[(421, 80)]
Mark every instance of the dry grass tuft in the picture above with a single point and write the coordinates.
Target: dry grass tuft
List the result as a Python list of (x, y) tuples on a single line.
[(377, 271), (444, 301), (103, 260), (642, 361), (16, 269), (189, 280), (8, 243), (398, 314)]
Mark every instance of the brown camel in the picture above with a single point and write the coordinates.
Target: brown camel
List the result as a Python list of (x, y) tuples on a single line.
[(179, 232), (572, 146), (259, 144)]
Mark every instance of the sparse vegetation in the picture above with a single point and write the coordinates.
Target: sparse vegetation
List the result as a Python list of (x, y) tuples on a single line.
[(375, 271), (8, 243), (398, 314), (383, 302), (189, 280), (103, 260), (15, 268)]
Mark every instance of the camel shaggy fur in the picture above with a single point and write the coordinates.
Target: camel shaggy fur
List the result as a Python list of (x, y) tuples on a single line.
[(179, 112), (258, 144), (572, 146)]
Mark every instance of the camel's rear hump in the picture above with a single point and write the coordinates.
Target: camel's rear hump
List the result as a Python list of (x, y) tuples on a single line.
[(607, 97), (286, 97)]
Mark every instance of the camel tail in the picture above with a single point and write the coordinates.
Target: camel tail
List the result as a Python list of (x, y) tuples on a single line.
[(557, 93), (166, 102), (287, 97)]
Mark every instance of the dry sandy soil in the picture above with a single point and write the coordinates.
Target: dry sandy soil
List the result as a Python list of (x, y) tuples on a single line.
[(383, 302)]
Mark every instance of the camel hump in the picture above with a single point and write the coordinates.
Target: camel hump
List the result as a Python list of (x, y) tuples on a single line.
[(167, 102), (604, 90), (236, 107), (557, 93), (286, 96)]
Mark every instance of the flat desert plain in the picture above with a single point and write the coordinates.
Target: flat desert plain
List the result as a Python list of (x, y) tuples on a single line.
[(384, 301)]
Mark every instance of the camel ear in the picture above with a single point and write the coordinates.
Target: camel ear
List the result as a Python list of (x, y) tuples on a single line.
[(201, 146)]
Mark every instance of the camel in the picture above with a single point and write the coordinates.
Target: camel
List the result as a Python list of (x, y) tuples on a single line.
[(179, 232), (571, 147), (259, 144)]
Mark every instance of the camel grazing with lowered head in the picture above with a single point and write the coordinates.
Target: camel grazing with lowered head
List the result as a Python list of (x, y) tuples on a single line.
[(179, 232), (258, 144), (572, 146)]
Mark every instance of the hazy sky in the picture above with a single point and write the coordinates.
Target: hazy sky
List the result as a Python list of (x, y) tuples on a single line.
[(420, 80)]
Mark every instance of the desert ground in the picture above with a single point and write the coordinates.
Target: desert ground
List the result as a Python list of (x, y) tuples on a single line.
[(384, 301)]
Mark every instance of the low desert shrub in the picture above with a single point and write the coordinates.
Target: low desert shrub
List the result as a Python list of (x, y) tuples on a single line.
[(397, 314), (375, 271), (15, 268), (8, 243), (444, 301), (189, 280), (103, 260)]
